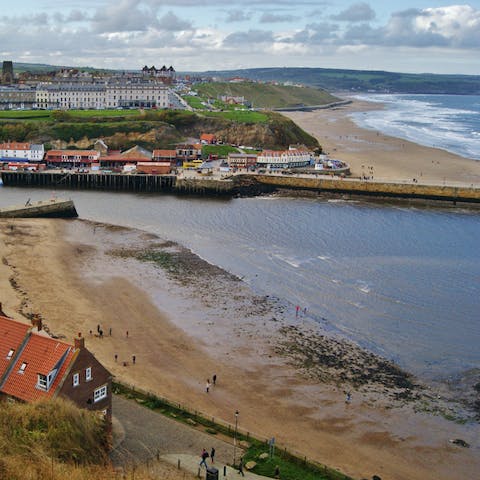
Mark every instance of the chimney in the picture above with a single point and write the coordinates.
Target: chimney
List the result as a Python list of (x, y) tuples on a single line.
[(79, 342), (37, 321)]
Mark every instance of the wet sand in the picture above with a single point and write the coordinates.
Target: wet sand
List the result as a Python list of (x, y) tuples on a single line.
[(386, 158), (187, 320)]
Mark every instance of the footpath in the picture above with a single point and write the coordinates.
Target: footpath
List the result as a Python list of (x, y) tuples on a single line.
[(141, 435)]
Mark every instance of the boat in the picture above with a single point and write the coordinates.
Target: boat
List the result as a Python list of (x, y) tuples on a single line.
[(53, 208)]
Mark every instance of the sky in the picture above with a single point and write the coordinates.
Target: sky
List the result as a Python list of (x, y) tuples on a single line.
[(420, 36)]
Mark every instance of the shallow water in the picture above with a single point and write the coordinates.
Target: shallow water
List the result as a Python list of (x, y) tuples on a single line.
[(401, 281)]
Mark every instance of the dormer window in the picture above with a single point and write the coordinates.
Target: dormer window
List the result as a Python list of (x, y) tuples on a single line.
[(88, 374), (44, 382), (22, 368), (10, 353)]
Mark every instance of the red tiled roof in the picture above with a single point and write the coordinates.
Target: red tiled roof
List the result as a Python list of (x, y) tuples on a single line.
[(69, 153), (208, 137), (121, 158), (14, 146), (12, 334), (41, 354), (165, 153)]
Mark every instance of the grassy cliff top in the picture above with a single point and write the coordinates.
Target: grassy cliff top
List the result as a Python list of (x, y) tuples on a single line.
[(263, 95)]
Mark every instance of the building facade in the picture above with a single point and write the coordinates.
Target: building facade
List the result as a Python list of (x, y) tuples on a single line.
[(273, 159), (20, 151)]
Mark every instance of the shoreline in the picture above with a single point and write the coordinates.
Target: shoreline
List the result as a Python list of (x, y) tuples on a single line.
[(372, 153), (190, 319)]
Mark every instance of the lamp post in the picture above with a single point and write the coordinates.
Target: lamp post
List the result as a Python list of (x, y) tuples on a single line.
[(235, 437)]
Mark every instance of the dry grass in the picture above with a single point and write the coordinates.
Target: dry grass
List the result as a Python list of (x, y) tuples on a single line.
[(55, 440)]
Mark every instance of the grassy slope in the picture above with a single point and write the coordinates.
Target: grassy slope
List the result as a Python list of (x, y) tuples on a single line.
[(266, 95)]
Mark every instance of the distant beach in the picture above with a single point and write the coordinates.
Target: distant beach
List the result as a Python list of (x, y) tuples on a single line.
[(385, 157)]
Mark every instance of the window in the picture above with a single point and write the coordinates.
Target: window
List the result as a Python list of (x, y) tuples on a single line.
[(99, 394), (22, 368), (10, 353), (76, 379), (88, 374), (42, 382)]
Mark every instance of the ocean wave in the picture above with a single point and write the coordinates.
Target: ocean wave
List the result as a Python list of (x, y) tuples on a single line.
[(433, 121)]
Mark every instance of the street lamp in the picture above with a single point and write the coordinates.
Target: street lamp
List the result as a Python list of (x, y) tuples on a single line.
[(235, 437)]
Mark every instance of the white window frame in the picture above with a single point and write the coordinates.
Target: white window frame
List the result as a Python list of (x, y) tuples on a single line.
[(88, 374), (42, 382), (22, 368), (100, 393), (76, 379), (10, 354)]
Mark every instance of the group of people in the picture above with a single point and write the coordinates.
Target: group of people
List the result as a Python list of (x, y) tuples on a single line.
[(208, 384)]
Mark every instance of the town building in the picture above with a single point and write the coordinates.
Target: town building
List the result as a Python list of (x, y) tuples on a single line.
[(15, 97), (273, 159), (208, 138), (34, 366), (114, 93), (242, 160), (71, 158), (165, 156), (7, 72), (132, 156), (21, 151), (154, 168)]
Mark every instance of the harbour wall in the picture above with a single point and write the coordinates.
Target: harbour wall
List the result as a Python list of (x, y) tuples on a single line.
[(245, 185), (373, 188)]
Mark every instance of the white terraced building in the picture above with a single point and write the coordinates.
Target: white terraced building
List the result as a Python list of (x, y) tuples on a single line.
[(103, 95), (21, 151), (275, 159)]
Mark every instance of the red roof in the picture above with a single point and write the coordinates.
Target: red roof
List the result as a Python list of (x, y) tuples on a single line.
[(14, 146), (165, 153), (41, 355), (122, 158), (208, 137), (70, 153), (12, 334)]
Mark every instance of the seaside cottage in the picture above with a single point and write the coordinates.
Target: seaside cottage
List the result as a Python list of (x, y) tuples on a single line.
[(34, 366)]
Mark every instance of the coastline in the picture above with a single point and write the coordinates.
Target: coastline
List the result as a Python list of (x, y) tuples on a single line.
[(392, 159), (189, 319)]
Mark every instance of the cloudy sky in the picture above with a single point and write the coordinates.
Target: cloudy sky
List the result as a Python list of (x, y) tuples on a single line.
[(194, 35)]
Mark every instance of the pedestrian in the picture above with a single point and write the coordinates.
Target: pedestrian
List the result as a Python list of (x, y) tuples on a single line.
[(212, 454), (214, 378), (276, 473), (348, 398), (127, 333), (207, 386), (305, 311), (133, 359), (98, 328), (297, 308), (110, 331), (204, 456), (240, 467), (100, 333), (116, 357)]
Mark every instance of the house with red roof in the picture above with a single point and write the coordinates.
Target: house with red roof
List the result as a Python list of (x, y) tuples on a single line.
[(208, 138), (35, 366), (71, 158)]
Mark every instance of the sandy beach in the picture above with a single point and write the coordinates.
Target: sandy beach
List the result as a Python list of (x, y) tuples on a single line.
[(386, 158), (187, 320)]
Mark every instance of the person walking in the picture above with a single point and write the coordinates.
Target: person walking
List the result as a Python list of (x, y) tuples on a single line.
[(240, 467), (134, 358), (204, 456), (214, 378), (207, 386), (212, 454)]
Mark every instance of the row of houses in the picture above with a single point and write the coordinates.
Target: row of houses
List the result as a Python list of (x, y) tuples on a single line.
[(111, 93), (35, 366)]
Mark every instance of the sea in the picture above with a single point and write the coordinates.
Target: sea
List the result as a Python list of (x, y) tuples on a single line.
[(402, 281), (448, 122)]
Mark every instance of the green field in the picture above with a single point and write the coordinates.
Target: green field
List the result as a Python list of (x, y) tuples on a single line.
[(50, 115), (262, 95)]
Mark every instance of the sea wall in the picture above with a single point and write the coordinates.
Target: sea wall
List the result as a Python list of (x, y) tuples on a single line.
[(372, 188), (244, 185)]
